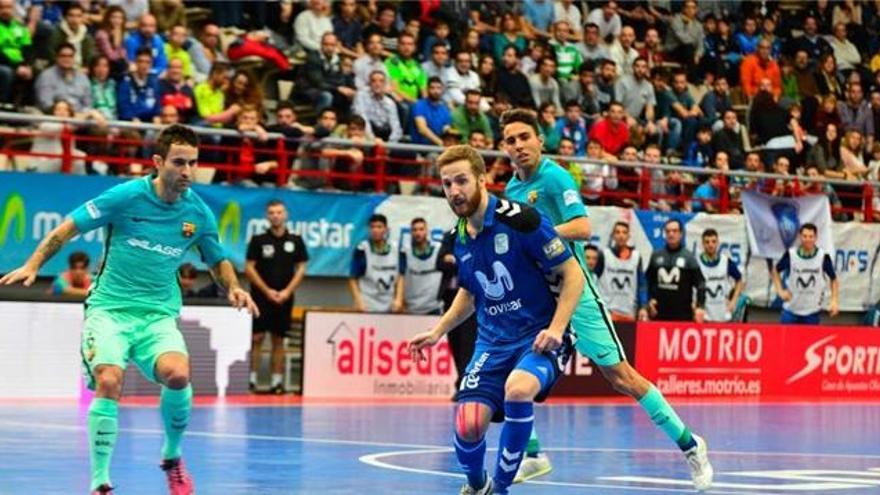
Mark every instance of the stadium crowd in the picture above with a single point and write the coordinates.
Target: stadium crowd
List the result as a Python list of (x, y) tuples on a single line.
[(789, 87)]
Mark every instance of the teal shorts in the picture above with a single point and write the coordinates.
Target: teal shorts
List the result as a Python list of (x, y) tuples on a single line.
[(596, 336), (117, 337)]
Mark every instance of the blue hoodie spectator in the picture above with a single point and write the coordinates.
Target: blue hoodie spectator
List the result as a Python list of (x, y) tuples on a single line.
[(136, 41), (138, 98)]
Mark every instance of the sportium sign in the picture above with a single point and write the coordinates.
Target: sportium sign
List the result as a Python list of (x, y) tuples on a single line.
[(355, 355), (728, 360)]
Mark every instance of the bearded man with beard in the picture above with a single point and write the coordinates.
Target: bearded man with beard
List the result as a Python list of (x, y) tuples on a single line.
[(523, 283)]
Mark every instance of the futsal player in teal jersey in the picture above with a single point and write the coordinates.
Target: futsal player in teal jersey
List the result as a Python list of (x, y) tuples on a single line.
[(133, 305), (543, 184)]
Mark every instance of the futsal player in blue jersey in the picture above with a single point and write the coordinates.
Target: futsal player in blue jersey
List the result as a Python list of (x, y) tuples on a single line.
[(543, 184), (523, 283), (132, 308)]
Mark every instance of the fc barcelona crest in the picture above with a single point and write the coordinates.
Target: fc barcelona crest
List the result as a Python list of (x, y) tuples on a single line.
[(189, 229), (533, 197)]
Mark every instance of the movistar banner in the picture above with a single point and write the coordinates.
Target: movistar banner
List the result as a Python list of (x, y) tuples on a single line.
[(331, 224)]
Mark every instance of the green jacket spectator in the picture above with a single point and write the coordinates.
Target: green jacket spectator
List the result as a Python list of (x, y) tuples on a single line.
[(405, 72), (468, 117), (15, 43)]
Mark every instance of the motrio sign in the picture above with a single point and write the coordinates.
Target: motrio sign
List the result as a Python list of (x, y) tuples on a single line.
[(764, 361)]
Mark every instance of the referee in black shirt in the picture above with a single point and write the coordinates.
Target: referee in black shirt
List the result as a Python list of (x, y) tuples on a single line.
[(674, 279), (276, 265)]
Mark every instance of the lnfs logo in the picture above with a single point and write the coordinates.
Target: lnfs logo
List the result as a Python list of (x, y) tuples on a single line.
[(13, 212), (230, 223)]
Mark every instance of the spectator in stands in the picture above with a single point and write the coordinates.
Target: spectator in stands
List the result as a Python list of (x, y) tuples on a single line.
[(852, 155), (826, 115), (512, 81), (510, 34), (169, 115), (500, 104), (75, 281), (684, 38), (348, 27), (544, 86), (103, 87), (811, 41), (48, 141), (440, 34), (378, 109), (566, 10), (322, 82), (637, 96), (805, 269), (72, 29), (715, 103), (721, 52), (468, 117), (408, 80), (16, 54), (845, 52), (856, 113), (64, 81), (374, 269), (138, 97), (244, 90), (607, 20), (110, 40), (825, 154), (684, 108), (311, 24), (249, 148), (430, 116), (459, 78), (174, 91), (605, 84), (210, 97), (827, 77), (817, 187), (530, 64), (547, 126), (286, 124), (478, 140), (757, 67), (175, 49), (488, 75), (583, 90), (598, 174), (169, 13), (592, 47), (748, 38), (134, 10), (439, 61), (623, 51), (652, 50), (701, 151), (537, 17), (668, 125), (729, 139), (206, 51), (146, 38), (383, 25), (568, 57), (781, 187), (707, 194), (369, 62), (611, 132), (573, 127)]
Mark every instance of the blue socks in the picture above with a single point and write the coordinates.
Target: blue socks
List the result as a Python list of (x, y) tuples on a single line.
[(471, 456), (519, 418), (665, 418)]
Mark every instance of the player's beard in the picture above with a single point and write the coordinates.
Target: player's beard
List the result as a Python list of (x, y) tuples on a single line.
[(469, 206)]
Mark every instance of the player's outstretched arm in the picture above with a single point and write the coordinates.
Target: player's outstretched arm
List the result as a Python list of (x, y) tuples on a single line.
[(238, 297), (573, 282), (576, 229), (462, 307), (50, 245)]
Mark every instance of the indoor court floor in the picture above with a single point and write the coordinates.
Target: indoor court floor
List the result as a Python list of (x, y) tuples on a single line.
[(287, 446)]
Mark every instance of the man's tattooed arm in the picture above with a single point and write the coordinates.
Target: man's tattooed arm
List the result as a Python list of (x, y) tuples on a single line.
[(53, 243)]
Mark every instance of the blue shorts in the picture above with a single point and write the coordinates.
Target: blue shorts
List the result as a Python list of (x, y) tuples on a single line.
[(791, 318), (486, 374)]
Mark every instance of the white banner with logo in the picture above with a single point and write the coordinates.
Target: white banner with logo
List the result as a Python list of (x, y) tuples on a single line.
[(856, 264), (359, 355), (772, 223)]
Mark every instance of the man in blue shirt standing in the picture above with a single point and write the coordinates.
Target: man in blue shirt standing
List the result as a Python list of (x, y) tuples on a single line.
[(541, 182), (524, 284), (430, 116)]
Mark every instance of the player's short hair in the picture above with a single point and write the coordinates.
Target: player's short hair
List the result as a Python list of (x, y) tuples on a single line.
[(175, 134), (521, 115), (710, 233), (808, 226), (418, 220), (275, 202), (187, 270), (620, 224), (378, 217), (461, 152), (76, 258)]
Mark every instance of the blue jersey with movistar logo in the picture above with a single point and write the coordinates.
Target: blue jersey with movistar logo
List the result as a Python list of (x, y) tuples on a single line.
[(507, 268), (146, 241)]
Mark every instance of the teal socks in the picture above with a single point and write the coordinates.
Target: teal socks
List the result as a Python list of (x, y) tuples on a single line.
[(662, 414), (103, 430), (176, 406)]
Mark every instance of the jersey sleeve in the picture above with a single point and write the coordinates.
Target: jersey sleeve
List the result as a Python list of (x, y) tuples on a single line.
[(567, 196), (401, 262), (828, 267), (102, 210), (733, 271), (209, 242), (302, 250), (783, 264), (253, 250), (359, 262), (545, 246)]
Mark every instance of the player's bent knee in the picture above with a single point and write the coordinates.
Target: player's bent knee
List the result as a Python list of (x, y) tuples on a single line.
[(521, 387), (108, 382), (471, 421), (177, 379)]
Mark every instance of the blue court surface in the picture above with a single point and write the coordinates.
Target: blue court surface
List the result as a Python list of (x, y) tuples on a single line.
[(349, 448)]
